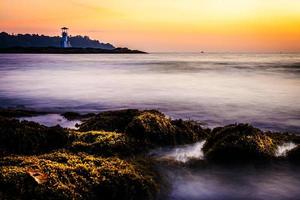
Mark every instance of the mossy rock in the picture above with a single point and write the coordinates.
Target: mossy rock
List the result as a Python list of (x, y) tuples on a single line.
[(281, 138), (29, 137), (109, 121), (77, 116), (294, 154), (189, 131), (155, 129), (102, 143), (67, 176), (152, 128), (239, 142)]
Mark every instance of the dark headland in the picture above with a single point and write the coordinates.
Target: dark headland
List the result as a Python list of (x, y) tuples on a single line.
[(65, 44), (57, 50)]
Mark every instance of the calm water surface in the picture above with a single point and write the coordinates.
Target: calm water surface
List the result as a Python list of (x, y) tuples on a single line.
[(203, 181), (262, 89)]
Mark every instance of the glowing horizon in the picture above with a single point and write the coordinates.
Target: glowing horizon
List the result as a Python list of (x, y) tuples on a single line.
[(169, 25)]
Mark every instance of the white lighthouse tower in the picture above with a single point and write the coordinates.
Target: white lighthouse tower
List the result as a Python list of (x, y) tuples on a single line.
[(65, 43)]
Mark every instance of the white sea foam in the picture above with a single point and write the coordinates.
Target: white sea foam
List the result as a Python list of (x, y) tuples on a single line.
[(52, 120), (284, 148), (182, 154)]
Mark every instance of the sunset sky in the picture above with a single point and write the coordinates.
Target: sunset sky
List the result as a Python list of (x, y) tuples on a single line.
[(164, 25)]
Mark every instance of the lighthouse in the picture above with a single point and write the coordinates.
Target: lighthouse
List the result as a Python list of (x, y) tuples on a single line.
[(64, 43)]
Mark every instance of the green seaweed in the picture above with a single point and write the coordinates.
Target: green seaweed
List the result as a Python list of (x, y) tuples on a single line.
[(63, 175), (102, 143)]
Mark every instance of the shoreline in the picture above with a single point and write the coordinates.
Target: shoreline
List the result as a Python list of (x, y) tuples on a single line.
[(57, 50)]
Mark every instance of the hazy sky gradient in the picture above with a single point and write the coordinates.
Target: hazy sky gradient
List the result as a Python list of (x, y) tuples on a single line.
[(164, 25)]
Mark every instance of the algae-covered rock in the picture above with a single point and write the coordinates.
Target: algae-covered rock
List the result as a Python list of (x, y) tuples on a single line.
[(294, 154), (102, 143), (152, 128), (110, 121), (281, 138), (189, 131), (29, 137), (149, 126), (77, 116), (239, 142), (67, 176)]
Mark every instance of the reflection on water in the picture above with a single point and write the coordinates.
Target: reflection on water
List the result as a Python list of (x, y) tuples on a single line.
[(218, 89), (258, 181), (52, 120)]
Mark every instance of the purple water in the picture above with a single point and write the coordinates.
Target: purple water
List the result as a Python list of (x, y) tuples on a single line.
[(262, 89)]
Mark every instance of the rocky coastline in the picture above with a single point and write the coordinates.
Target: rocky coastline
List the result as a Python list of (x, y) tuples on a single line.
[(107, 156)]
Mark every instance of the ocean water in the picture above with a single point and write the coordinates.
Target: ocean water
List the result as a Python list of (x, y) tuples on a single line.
[(203, 181), (215, 88), (250, 181)]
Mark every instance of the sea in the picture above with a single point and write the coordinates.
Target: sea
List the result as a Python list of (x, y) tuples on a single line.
[(216, 89), (213, 88)]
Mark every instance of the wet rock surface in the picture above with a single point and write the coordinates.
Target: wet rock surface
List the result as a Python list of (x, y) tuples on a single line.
[(239, 142), (30, 137), (294, 154), (110, 121), (150, 127), (107, 157), (74, 176)]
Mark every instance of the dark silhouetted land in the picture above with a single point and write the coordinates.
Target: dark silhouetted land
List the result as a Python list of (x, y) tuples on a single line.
[(57, 50), (35, 40)]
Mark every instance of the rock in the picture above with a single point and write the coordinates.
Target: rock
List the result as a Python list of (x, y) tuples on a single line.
[(189, 131), (30, 137), (77, 116), (109, 121), (152, 128), (238, 142), (294, 154), (102, 143), (155, 129), (75, 176)]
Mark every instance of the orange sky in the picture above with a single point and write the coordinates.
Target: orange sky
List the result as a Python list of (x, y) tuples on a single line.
[(164, 25)]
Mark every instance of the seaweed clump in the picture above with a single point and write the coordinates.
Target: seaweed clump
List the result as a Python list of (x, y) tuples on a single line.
[(149, 127), (110, 121), (63, 175), (29, 137), (102, 143), (77, 116), (189, 131), (239, 142), (152, 128)]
